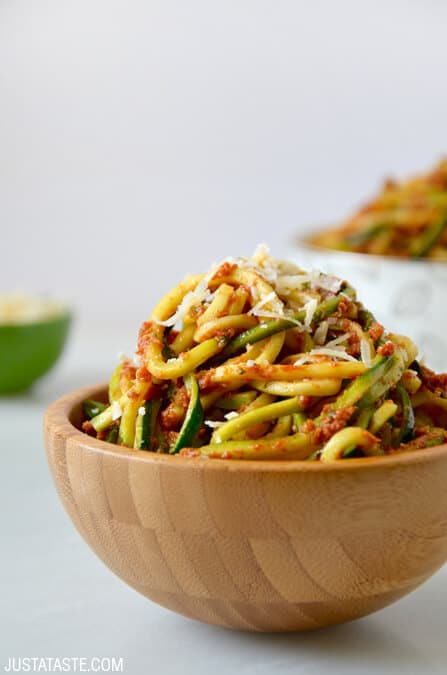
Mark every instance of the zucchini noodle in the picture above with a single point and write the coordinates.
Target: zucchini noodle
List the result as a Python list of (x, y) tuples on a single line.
[(407, 219), (258, 359)]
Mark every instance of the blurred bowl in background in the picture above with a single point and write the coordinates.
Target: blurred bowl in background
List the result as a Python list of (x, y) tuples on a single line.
[(406, 296), (33, 332)]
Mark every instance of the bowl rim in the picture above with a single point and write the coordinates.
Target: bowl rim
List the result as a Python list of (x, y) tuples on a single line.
[(66, 314), (57, 420), (301, 241)]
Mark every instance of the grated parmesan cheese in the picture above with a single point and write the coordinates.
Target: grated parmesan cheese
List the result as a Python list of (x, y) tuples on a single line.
[(320, 334), (315, 278), (310, 308), (306, 358), (264, 301), (231, 415), (291, 282), (192, 298), (365, 352), (261, 253), (336, 342), (326, 281), (334, 348), (137, 360), (213, 424), (334, 353), (262, 263), (19, 308), (283, 276), (116, 410), (324, 351)]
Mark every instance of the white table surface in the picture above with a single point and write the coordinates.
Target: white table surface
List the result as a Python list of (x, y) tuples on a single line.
[(58, 599)]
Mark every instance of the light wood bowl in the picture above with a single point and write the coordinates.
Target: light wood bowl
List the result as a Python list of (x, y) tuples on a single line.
[(266, 546)]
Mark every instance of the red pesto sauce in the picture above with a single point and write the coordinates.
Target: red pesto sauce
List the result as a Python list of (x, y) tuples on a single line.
[(387, 349)]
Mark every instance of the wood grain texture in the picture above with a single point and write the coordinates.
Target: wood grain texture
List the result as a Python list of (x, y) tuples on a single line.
[(266, 546)]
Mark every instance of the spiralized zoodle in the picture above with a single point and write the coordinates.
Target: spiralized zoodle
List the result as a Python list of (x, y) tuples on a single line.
[(258, 359), (407, 219)]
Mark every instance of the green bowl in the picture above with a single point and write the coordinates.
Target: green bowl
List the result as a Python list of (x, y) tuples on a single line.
[(29, 350)]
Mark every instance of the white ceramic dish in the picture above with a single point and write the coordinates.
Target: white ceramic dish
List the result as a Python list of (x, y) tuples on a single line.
[(406, 296)]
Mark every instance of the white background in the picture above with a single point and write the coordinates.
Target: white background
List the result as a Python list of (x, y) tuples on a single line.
[(143, 139)]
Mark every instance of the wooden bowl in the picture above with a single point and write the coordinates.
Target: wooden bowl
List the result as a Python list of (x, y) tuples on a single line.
[(266, 546)]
